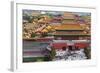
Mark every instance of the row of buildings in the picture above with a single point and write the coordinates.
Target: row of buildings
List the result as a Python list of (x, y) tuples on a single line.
[(69, 26), (63, 31)]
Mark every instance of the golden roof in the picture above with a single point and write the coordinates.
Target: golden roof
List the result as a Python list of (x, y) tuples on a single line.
[(35, 13), (68, 15), (69, 27)]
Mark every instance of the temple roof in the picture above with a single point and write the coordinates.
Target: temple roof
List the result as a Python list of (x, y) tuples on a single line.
[(68, 15), (69, 27)]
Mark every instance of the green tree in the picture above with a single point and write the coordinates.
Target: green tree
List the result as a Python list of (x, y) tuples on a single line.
[(87, 52), (52, 53), (33, 35)]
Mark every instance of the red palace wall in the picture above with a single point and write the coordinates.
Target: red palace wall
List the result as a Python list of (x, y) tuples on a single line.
[(78, 45)]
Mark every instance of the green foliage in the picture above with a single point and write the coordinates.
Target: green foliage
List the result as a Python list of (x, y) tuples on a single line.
[(33, 35), (87, 52), (52, 53)]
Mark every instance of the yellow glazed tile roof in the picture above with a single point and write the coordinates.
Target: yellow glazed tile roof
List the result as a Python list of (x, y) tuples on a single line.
[(69, 27)]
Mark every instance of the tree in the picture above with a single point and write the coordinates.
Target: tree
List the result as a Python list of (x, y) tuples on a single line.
[(52, 53), (87, 52), (33, 35)]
